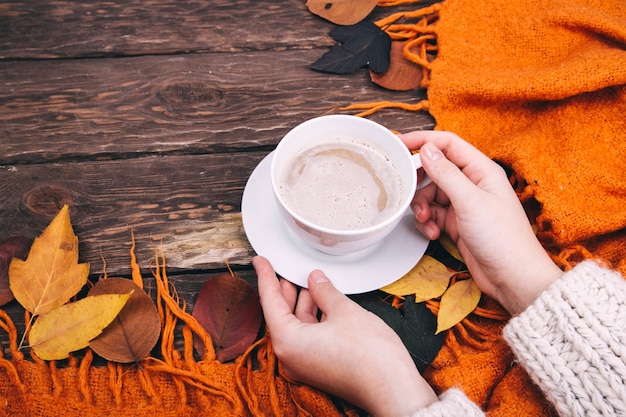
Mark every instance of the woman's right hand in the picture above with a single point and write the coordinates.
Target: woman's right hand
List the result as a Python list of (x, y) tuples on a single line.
[(472, 201)]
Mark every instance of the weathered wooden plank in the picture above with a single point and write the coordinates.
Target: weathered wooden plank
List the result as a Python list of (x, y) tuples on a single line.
[(66, 29), (187, 205), (45, 29), (114, 107)]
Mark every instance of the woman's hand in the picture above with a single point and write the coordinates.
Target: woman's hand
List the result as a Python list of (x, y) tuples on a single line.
[(472, 201), (349, 352)]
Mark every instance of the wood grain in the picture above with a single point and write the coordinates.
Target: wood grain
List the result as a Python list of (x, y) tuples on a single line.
[(41, 29), (62, 29), (188, 205), (115, 108)]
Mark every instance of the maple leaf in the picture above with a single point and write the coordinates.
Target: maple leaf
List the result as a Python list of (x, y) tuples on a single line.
[(51, 274), (230, 311), (362, 44), (342, 12), (70, 327), (135, 331)]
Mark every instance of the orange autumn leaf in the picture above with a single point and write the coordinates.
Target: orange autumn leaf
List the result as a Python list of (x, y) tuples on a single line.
[(428, 279), (342, 12), (456, 303), (133, 333), (51, 274), (70, 327), (402, 74)]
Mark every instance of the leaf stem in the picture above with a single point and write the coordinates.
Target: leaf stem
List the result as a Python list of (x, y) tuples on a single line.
[(28, 326), (232, 274)]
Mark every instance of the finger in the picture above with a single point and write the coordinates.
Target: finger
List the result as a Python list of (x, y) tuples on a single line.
[(425, 198), (290, 293), (306, 310), (276, 309), (447, 175), (433, 225), (325, 295), (458, 151), (429, 229)]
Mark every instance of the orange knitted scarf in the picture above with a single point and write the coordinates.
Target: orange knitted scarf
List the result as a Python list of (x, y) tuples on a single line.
[(539, 85)]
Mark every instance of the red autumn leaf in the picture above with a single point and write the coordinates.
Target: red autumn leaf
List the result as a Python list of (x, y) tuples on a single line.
[(136, 329), (402, 74), (229, 309), (12, 247)]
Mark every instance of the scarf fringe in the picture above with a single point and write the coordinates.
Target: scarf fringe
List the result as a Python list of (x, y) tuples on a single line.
[(251, 385)]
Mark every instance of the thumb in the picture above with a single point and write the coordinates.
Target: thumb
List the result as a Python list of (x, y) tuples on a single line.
[(448, 177), (324, 294)]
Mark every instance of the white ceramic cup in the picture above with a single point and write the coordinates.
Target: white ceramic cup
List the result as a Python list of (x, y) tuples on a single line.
[(340, 241)]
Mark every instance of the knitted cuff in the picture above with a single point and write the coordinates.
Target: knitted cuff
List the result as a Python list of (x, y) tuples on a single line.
[(572, 342), (453, 402)]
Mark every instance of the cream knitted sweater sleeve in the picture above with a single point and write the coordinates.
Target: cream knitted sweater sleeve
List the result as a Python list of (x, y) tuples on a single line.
[(572, 342)]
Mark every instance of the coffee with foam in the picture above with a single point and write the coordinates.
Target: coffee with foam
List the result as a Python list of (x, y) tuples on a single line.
[(341, 184)]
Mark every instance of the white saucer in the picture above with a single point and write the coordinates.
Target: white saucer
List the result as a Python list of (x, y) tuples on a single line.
[(293, 260)]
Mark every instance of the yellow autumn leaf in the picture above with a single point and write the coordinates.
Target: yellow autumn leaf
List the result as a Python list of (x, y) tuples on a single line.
[(71, 326), (456, 303), (450, 247), (51, 274), (428, 279)]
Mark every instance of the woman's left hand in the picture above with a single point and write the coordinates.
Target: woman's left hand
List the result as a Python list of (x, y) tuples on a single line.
[(349, 352)]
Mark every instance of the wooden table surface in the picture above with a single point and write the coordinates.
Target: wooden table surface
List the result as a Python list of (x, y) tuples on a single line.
[(150, 116)]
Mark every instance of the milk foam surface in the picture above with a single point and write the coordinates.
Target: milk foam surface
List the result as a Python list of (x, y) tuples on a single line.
[(341, 184)]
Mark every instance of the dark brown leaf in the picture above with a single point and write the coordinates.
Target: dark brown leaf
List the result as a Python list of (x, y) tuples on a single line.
[(12, 247), (135, 331), (229, 309)]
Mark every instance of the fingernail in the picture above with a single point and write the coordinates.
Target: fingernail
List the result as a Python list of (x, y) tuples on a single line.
[(318, 277), (416, 210), (431, 152), (430, 231)]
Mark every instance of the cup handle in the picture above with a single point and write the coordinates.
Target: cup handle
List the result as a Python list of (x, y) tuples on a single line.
[(417, 161)]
